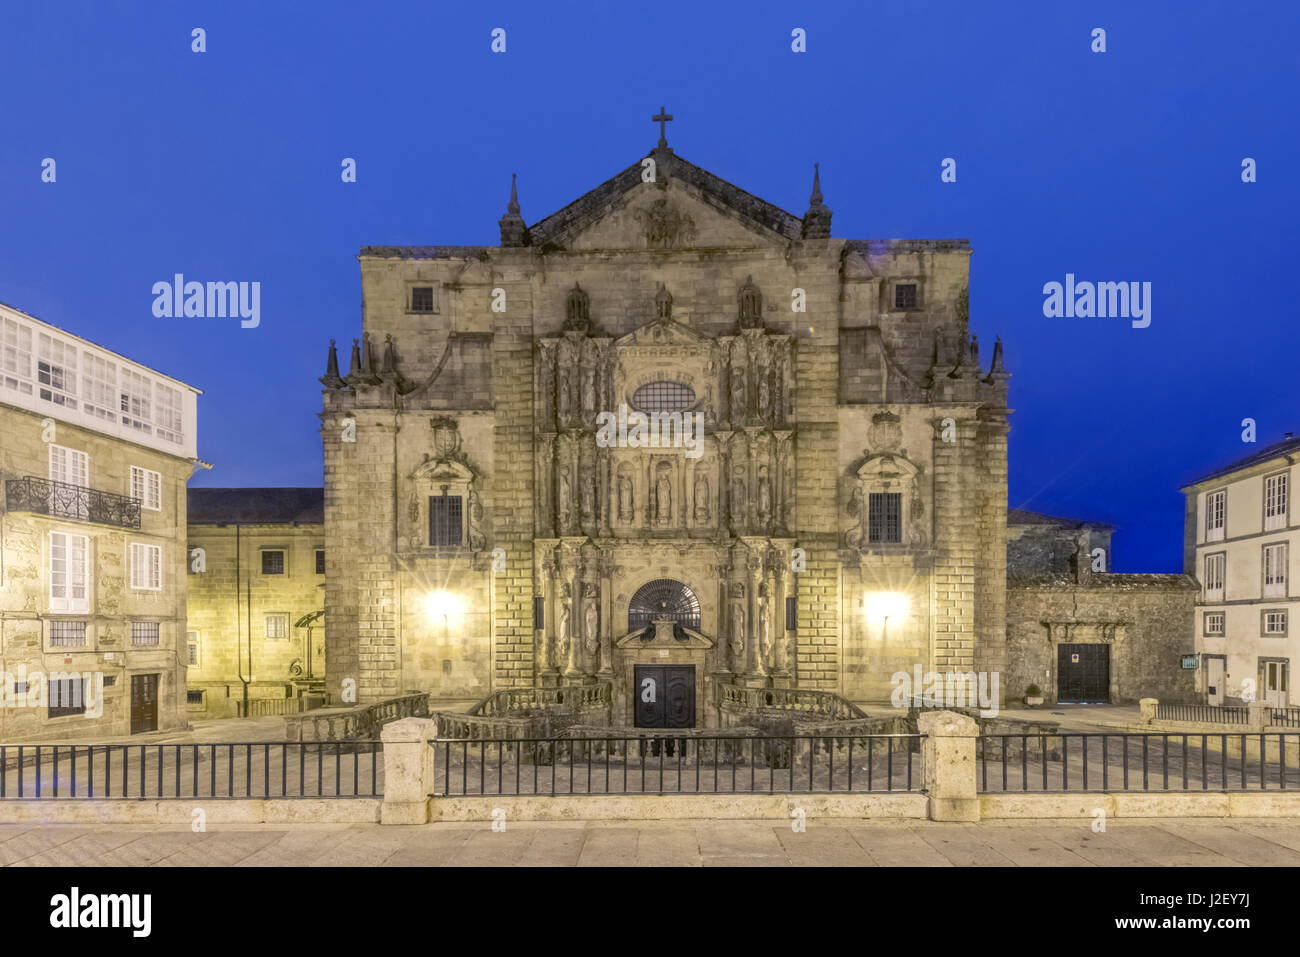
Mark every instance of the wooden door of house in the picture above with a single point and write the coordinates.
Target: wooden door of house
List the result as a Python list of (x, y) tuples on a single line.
[(144, 703), (1083, 673)]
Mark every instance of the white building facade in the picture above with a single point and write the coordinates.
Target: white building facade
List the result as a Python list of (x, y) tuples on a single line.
[(1240, 542)]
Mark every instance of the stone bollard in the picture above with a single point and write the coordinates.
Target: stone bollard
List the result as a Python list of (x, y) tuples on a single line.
[(408, 770), (1258, 715), (949, 750), (1148, 706)]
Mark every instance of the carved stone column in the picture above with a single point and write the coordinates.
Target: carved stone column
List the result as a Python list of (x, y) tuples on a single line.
[(754, 667), (782, 573), (607, 568), (571, 607)]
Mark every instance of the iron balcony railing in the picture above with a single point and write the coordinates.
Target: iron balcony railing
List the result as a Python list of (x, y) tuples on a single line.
[(1284, 717), (63, 500), (1230, 761), (683, 763), (254, 769)]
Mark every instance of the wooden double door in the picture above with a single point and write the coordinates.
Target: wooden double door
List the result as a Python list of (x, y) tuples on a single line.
[(664, 696)]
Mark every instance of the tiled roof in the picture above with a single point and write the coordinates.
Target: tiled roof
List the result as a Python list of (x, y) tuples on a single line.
[(256, 506), (1018, 516), (1276, 450)]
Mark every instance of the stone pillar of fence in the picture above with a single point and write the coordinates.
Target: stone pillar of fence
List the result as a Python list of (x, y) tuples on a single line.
[(408, 770), (1257, 715), (949, 751), (1148, 706)]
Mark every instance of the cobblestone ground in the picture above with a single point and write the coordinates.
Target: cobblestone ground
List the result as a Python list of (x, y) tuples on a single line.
[(1165, 842)]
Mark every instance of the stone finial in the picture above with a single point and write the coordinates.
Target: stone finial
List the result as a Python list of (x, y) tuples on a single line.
[(362, 370), (389, 367), (751, 305), (577, 309), (817, 221), (513, 230), (997, 370), (331, 378), (354, 367)]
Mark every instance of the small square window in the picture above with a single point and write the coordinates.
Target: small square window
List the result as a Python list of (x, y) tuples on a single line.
[(905, 295), (1214, 623), (421, 299), (277, 626), (273, 561), (1274, 622), (320, 561)]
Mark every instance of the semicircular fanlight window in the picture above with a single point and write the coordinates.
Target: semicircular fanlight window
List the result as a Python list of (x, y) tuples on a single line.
[(663, 395), (663, 598)]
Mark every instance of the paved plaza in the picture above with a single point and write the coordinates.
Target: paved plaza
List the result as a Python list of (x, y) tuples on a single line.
[(1164, 842)]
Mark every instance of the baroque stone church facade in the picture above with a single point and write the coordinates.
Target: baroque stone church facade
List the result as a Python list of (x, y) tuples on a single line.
[(843, 519)]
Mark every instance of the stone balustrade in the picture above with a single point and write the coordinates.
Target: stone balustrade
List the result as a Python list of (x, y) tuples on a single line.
[(804, 700), (351, 724), (513, 701)]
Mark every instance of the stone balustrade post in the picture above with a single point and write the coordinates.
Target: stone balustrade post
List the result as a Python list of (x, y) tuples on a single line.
[(1258, 715), (408, 770), (1148, 706), (949, 756)]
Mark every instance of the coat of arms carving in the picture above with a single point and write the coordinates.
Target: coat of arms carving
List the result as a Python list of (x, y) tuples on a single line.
[(665, 227)]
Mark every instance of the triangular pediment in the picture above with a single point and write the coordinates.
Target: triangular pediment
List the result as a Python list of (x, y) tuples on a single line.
[(686, 207), (663, 332)]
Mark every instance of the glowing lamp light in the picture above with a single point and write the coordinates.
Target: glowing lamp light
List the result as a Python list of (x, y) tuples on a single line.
[(441, 604), (885, 606)]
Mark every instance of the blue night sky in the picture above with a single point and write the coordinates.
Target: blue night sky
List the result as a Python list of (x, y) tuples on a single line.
[(1117, 166)]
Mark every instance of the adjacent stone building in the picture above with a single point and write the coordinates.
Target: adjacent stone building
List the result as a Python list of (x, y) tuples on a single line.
[(842, 518), (1082, 634), (95, 454), (256, 600), (1241, 544)]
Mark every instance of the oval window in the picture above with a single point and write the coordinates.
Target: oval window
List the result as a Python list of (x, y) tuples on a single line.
[(663, 395)]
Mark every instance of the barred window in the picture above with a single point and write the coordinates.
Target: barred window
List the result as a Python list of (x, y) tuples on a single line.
[(272, 561), (67, 633), (67, 696), (192, 648), (1214, 623), (194, 697), (421, 299), (445, 520), (885, 517), (905, 295), (144, 633), (320, 561), (663, 395)]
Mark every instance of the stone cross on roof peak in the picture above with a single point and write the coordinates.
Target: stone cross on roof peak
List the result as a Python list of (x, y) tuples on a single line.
[(662, 117)]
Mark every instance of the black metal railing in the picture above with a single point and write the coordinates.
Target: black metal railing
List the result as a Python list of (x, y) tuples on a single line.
[(60, 499), (1284, 717), (677, 764), (1204, 713), (1230, 761), (255, 769)]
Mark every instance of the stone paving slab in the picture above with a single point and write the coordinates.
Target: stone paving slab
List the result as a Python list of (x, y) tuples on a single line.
[(1169, 842)]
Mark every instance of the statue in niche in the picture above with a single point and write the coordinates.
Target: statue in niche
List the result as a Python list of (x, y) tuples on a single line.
[(590, 620), (916, 535), (764, 395), (588, 493), (738, 495), (764, 496), (564, 377), (701, 496), (625, 505), (565, 496), (562, 638), (853, 534), (737, 392), (764, 623), (589, 391), (664, 498), (737, 643), (477, 540)]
